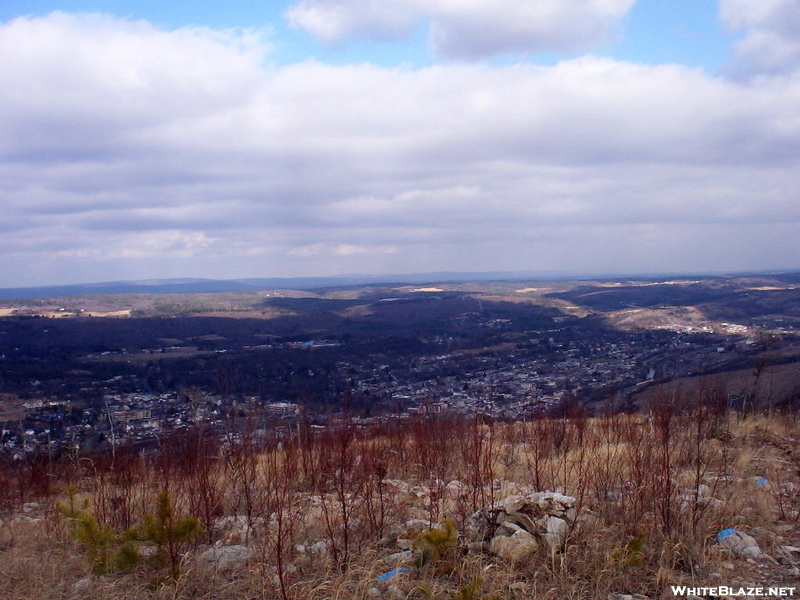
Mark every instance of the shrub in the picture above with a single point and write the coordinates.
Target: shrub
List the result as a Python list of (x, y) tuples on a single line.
[(168, 533)]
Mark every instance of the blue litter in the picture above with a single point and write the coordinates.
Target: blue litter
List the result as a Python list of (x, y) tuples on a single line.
[(725, 533), (389, 574), (761, 482)]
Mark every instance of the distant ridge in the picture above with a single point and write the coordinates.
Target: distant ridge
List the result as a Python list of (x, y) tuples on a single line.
[(197, 286), (210, 286)]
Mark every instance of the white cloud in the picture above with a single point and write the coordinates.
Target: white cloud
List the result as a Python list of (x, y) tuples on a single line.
[(119, 156), (468, 29), (771, 30), (80, 81)]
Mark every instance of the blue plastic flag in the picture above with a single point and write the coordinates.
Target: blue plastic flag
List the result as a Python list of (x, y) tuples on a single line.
[(389, 574)]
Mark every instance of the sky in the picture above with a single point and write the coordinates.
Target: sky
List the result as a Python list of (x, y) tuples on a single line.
[(143, 140)]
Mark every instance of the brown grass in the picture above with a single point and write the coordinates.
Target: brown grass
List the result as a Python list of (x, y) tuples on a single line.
[(674, 476)]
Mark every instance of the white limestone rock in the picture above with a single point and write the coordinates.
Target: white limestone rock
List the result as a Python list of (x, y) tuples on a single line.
[(516, 548), (224, 557), (740, 544)]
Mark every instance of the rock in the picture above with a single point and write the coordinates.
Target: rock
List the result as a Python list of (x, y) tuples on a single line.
[(409, 531), (392, 533), (523, 518), (455, 487), (789, 555), (235, 529), (225, 557), (556, 532), (319, 550), (552, 503), (519, 519), (405, 543), (24, 519), (477, 547), (313, 554), (399, 558), (508, 528), (740, 544), (688, 500), (147, 551), (83, 587), (513, 504), (711, 502), (519, 547), (479, 527), (414, 527), (32, 508)]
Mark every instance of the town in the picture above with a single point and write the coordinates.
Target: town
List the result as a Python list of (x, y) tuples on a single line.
[(127, 381)]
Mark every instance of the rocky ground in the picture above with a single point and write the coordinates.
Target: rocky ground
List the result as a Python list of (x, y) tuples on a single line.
[(600, 532)]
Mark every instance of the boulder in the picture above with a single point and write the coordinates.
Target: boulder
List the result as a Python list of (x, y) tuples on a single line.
[(477, 547), (409, 531), (391, 535), (319, 550), (516, 548), (507, 528), (413, 527), (235, 529), (740, 543), (511, 524), (224, 557), (83, 588), (513, 504), (480, 526), (399, 558), (555, 532), (455, 487)]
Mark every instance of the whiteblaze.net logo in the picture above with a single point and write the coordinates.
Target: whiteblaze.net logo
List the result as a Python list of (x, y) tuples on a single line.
[(724, 591)]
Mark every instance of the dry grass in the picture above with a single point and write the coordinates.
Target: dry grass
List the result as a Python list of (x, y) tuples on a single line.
[(672, 478)]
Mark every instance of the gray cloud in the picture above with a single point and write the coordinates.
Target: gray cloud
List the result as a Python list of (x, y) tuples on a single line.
[(119, 155), (771, 30), (468, 30)]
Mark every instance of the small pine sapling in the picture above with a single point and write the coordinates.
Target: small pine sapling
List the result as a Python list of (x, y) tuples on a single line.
[(106, 551), (433, 545), (168, 532), (632, 554)]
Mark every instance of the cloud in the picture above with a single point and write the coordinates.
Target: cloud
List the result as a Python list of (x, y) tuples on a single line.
[(468, 30), (138, 76), (124, 155), (771, 28)]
